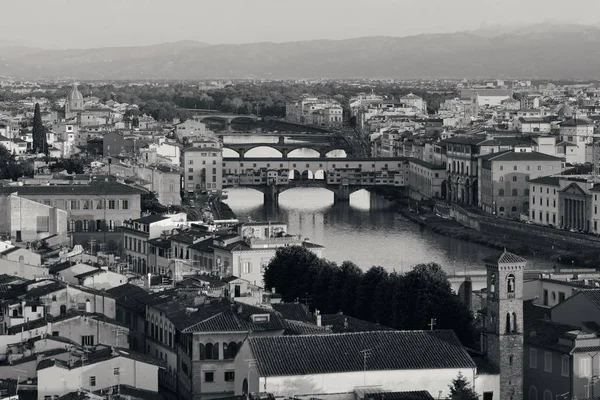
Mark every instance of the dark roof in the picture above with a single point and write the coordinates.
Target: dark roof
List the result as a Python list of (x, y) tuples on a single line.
[(37, 292), (415, 395), (389, 350), (10, 250), (541, 332), (231, 318), (92, 272), (61, 266), (510, 155), (294, 312), (471, 140), (94, 188), (576, 122), (126, 296), (341, 323), (593, 295), (304, 328), (150, 219), (547, 180), (425, 164), (505, 258), (160, 243), (38, 323)]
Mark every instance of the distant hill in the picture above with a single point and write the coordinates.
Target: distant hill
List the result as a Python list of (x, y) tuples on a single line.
[(539, 51)]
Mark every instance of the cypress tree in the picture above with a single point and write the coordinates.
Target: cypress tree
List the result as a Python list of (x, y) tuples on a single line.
[(40, 145)]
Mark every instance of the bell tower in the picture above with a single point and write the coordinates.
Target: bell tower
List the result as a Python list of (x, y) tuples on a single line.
[(502, 336)]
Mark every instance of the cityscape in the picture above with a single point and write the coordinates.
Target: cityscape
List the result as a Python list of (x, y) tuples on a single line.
[(405, 215)]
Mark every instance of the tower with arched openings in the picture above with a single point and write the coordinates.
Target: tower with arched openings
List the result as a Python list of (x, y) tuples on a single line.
[(502, 336)]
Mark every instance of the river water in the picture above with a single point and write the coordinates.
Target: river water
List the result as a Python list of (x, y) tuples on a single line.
[(366, 230)]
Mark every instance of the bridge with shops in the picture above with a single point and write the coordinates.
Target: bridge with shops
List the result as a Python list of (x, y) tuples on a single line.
[(341, 176), (228, 118)]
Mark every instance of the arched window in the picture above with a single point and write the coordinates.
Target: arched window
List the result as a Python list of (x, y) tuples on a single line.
[(202, 351), (510, 283), (514, 322), (513, 209), (514, 178), (501, 192), (215, 354), (501, 209), (515, 192), (208, 347), (547, 395), (225, 351), (233, 349), (507, 328), (533, 393)]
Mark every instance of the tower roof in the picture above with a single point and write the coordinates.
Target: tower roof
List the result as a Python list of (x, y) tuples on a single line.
[(505, 258), (75, 94)]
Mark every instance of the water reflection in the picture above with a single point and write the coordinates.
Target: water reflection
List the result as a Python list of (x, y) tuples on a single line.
[(364, 230)]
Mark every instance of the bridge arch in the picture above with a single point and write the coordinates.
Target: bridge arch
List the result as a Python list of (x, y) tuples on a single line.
[(307, 175), (336, 153), (294, 174), (301, 152), (242, 150), (320, 175)]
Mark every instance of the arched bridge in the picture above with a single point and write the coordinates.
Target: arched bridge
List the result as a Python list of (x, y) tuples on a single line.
[(228, 118), (285, 144)]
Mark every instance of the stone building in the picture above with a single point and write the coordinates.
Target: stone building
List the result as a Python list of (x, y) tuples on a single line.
[(202, 169), (74, 103)]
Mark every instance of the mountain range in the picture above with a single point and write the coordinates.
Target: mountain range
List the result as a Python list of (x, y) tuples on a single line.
[(545, 51)]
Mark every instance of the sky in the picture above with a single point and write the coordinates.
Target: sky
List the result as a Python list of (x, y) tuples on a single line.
[(61, 24)]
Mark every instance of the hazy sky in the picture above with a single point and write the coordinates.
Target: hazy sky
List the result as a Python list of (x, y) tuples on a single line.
[(94, 23)]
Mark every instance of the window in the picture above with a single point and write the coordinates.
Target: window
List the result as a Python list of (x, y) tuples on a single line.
[(190, 169), (209, 376), (501, 192), (246, 267), (111, 204), (190, 177), (515, 192), (514, 178), (501, 209), (92, 381), (547, 361), (125, 204), (539, 167), (548, 395), (501, 168), (514, 167), (116, 371), (87, 340), (564, 370), (533, 393), (585, 367), (86, 204), (191, 162), (229, 376), (533, 358), (501, 179)]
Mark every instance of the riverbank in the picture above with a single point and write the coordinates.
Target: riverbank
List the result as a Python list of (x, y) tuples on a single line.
[(575, 255)]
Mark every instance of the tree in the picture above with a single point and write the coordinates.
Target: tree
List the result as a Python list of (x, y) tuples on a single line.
[(39, 135), (461, 389)]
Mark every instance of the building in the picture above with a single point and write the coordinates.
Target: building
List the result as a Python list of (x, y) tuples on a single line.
[(544, 201), (504, 179), (164, 181), (337, 365), (461, 156), (487, 97), (412, 100), (131, 313), (315, 111), (425, 180), (190, 130), (137, 233), (202, 169), (533, 125), (101, 369), (561, 348), (502, 331), (74, 103), (26, 220), (96, 209), (116, 143), (575, 135)]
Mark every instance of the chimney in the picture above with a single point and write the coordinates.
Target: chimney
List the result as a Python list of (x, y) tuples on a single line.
[(239, 309), (345, 323), (273, 290), (318, 315)]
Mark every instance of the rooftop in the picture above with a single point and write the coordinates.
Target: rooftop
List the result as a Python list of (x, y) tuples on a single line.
[(505, 258), (341, 323), (294, 312), (510, 155), (94, 188), (546, 180), (390, 350), (149, 219)]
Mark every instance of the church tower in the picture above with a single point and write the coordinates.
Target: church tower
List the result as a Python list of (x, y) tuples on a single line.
[(502, 336)]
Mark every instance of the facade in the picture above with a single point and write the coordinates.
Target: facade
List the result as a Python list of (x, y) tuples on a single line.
[(137, 233), (412, 100), (74, 103), (490, 97), (190, 130), (96, 210), (504, 179), (27, 220), (576, 134), (462, 166), (315, 111), (315, 367), (426, 181), (115, 143), (163, 181), (202, 169), (533, 125), (502, 332), (544, 201)]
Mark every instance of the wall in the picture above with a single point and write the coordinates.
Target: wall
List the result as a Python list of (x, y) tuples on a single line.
[(576, 311), (435, 381), (543, 380), (22, 270), (105, 280), (487, 383)]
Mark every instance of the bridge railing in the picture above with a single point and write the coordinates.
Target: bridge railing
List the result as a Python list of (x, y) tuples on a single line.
[(274, 241)]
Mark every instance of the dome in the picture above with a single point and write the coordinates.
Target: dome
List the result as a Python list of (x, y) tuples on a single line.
[(75, 94)]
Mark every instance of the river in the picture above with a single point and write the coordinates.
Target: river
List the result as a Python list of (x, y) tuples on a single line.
[(366, 230)]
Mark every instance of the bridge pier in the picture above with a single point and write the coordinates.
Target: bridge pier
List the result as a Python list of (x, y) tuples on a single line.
[(271, 195), (342, 194)]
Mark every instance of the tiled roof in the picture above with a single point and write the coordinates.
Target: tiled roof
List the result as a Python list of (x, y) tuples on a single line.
[(425, 164), (593, 295), (90, 273), (161, 243), (37, 292), (393, 350), (71, 314), (511, 155), (576, 122), (547, 180), (540, 331), (305, 328), (505, 258), (341, 323), (95, 188), (126, 296), (414, 395), (294, 312)]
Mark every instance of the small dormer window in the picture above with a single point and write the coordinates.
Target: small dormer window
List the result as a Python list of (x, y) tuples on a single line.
[(510, 283)]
